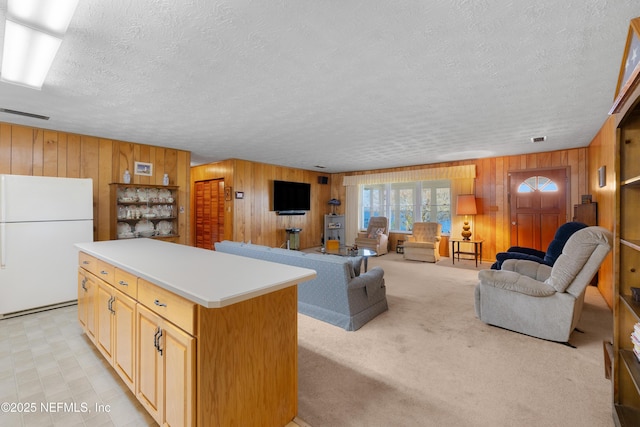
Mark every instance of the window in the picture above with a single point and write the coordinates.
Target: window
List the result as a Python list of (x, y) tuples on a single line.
[(540, 183), (406, 202)]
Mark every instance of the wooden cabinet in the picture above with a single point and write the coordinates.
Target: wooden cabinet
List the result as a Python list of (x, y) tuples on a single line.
[(154, 357), (166, 370), (86, 303), (124, 337), (144, 211), (108, 315), (626, 375), (188, 364), (586, 213), (104, 322)]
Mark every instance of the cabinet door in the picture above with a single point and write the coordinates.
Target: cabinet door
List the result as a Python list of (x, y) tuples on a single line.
[(86, 303), (104, 320), (178, 365), (124, 333), (82, 298), (148, 360)]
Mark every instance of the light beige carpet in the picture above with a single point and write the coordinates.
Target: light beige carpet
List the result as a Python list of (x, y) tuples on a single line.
[(429, 361)]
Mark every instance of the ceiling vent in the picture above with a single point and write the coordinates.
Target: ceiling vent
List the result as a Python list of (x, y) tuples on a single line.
[(537, 139), (22, 113)]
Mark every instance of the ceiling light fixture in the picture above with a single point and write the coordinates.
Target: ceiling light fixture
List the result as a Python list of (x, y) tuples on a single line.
[(538, 139), (33, 34)]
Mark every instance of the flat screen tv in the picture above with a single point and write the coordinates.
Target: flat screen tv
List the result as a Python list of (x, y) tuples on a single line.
[(291, 198)]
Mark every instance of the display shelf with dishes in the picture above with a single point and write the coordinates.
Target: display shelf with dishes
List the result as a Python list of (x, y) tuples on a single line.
[(144, 211)]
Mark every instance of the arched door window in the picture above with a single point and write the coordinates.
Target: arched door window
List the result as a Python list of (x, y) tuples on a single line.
[(539, 183)]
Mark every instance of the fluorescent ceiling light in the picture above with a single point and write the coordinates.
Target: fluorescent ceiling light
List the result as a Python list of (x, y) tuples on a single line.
[(27, 55), (46, 15), (32, 37)]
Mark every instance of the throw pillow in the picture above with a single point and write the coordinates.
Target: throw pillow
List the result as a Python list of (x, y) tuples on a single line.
[(374, 233)]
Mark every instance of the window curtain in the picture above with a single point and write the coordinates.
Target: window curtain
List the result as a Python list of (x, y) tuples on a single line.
[(462, 182)]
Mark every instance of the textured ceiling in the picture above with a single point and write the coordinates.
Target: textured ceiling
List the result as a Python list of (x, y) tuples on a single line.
[(349, 85)]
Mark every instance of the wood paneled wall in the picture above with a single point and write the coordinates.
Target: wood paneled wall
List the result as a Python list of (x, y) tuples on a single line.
[(602, 152), (492, 221), (252, 218), (40, 152)]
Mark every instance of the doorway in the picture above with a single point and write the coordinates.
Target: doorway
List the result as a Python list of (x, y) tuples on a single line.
[(538, 206), (209, 212)]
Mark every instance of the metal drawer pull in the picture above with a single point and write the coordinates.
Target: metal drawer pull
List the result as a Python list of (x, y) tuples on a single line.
[(86, 262), (84, 281), (123, 283), (159, 304), (104, 272), (156, 337)]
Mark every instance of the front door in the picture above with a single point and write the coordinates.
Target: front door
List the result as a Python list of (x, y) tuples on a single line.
[(538, 203)]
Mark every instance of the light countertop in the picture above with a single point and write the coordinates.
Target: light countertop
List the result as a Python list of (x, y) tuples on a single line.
[(211, 279)]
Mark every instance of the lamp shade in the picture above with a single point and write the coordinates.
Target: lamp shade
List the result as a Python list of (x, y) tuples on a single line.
[(466, 204)]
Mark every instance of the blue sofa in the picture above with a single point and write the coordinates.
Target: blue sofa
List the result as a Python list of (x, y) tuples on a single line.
[(339, 295)]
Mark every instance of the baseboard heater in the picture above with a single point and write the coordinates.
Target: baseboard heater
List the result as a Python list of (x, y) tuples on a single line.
[(38, 309)]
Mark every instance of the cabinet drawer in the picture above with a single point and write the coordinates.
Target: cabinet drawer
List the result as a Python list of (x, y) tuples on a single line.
[(126, 282), (88, 262), (106, 272), (174, 308)]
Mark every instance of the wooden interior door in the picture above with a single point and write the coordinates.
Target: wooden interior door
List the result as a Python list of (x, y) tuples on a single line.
[(538, 203), (209, 206)]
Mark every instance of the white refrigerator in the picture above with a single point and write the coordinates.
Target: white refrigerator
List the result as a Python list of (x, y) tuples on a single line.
[(41, 218)]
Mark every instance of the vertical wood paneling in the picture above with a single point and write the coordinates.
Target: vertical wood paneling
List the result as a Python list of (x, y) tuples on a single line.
[(105, 177), (62, 155), (38, 152), (50, 153), (5, 148), (602, 152), (73, 156), (252, 219), (21, 150), (33, 151)]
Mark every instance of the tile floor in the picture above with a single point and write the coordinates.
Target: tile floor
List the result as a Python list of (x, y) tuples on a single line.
[(49, 367), (46, 360)]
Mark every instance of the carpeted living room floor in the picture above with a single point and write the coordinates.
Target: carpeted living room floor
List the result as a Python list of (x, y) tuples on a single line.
[(428, 361)]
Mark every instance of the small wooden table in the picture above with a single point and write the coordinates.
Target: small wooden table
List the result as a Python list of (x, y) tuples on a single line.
[(477, 249)]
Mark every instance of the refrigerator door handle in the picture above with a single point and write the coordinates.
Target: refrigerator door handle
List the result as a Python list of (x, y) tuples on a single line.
[(3, 245)]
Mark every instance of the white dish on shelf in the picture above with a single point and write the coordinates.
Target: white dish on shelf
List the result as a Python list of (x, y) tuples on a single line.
[(163, 193), (130, 193), (124, 230), (145, 226), (165, 228), (143, 195)]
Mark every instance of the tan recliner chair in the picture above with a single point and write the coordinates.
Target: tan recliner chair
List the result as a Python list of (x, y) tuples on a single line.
[(538, 300), (376, 237), (424, 242)]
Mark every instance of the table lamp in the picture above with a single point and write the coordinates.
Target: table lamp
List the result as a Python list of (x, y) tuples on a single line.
[(466, 205)]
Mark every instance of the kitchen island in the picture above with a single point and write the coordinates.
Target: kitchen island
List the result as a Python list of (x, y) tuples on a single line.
[(200, 337)]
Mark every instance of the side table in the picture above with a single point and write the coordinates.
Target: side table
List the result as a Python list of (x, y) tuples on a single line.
[(477, 249)]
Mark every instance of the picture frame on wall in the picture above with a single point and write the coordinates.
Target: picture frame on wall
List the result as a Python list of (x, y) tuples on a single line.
[(629, 74), (602, 176), (142, 168)]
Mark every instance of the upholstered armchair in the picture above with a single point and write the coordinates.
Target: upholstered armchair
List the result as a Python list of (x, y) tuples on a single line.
[(553, 250), (538, 300), (376, 237), (424, 242)]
